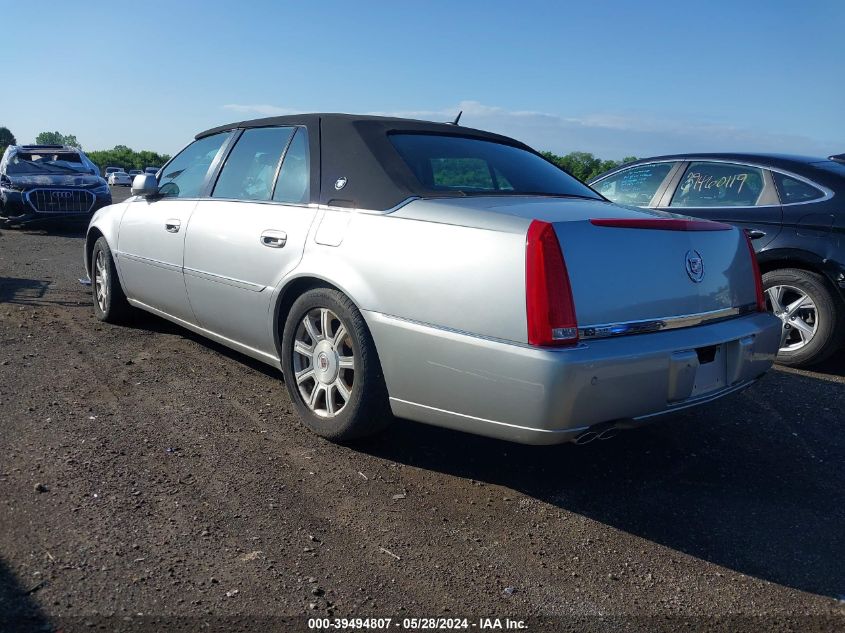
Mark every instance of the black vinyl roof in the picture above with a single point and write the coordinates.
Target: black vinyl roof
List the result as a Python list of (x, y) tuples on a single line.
[(357, 148)]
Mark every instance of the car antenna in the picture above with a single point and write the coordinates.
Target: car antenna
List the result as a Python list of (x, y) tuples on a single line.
[(457, 118)]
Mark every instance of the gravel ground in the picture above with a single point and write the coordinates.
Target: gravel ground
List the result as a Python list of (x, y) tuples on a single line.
[(151, 478)]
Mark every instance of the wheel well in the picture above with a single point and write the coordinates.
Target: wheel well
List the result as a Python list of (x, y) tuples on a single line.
[(91, 239), (775, 264), (290, 294)]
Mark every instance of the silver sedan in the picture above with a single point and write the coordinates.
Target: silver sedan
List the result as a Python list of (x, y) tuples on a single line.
[(395, 268)]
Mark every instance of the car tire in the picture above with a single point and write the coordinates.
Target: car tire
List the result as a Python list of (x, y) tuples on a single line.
[(110, 304), (786, 286), (344, 396)]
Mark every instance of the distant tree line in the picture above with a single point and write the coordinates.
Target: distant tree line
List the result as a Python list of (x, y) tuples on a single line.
[(118, 156), (582, 165), (6, 139), (123, 156), (57, 138)]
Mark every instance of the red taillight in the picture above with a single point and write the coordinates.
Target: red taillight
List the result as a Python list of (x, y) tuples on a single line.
[(758, 279), (548, 294), (661, 224)]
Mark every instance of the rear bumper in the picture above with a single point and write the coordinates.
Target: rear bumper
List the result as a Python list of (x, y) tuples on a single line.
[(548, 396)]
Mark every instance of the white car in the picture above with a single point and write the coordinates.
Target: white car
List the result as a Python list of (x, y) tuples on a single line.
[(120, 178)]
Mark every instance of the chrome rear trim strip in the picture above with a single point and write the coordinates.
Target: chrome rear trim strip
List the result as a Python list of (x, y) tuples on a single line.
[(608, 330)]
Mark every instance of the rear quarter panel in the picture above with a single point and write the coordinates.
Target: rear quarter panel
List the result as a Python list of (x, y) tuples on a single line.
[(451, 276)]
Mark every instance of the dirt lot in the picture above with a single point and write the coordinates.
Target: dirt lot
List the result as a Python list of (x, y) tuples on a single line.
[(146, 474)]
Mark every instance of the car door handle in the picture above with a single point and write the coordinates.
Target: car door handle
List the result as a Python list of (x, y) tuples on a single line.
[(274, 239), (172, 226), (754, 234)]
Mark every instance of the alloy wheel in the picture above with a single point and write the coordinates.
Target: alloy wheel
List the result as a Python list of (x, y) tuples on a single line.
[(798, 315), (323, 362), (101, 280)]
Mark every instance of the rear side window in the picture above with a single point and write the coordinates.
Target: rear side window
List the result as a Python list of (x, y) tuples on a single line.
[(719, 185), (468, 166), (794, 190), (294, 182), (635, 185), (250, 169), (185, 174)]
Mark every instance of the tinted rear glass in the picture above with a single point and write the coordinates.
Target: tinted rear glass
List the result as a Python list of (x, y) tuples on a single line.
[(474, 166)]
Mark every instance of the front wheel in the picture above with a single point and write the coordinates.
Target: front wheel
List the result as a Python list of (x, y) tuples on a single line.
[(331, 367), (811, 315), (110, 304)]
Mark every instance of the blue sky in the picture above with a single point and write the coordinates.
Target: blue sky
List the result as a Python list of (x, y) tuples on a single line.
[(613, 78)]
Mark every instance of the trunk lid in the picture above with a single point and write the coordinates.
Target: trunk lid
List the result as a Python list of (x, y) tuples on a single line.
[(620, 274)]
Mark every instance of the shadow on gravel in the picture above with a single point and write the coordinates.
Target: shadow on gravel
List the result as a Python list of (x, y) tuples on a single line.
[(20, 290), (833, 366), (63, 229), (754, 483), (153, 324), (18, 611)]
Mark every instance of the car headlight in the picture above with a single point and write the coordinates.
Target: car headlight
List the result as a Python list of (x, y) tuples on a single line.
[(104, 188)]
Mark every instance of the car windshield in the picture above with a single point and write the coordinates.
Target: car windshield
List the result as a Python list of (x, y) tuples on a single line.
[(39, 163), (472, 166)]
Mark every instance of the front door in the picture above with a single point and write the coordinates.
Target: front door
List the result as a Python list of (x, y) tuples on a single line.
[(150, 248), (152, 231)]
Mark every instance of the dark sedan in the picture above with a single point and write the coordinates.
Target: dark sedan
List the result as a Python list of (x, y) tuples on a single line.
[(792, 207), (48, 182)]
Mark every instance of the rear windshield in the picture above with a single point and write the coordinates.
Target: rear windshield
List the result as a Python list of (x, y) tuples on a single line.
[(473, 166)]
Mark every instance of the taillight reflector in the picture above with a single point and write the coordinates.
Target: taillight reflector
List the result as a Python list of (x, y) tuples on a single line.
[(661, 224), (758, 279), (548, 293)]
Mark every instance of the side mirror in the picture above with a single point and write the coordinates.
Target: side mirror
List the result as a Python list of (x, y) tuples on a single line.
[(145, 185)]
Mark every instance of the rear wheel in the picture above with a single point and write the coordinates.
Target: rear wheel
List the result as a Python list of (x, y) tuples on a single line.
[(811, 315), (331, 368), (110, 304)]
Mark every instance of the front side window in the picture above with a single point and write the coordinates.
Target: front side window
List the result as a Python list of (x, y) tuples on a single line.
[(294, 182), (473, 166), (794, 190), (635, 185), (250, 170), (185, 174), (719, 185)]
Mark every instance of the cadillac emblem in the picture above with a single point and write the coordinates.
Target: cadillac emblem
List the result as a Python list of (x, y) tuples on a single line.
[(695, 266)]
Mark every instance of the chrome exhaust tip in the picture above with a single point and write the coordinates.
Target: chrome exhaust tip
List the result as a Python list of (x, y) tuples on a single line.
[(602, 431), (608, 434), (585, 438)]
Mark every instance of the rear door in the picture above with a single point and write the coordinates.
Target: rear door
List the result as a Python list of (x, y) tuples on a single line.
[(152, 231), (743, 195), (249, 234)]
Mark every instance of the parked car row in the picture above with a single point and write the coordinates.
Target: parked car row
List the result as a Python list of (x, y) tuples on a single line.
[(437, 273), (119, 178), (792, 208), (123, 178)]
